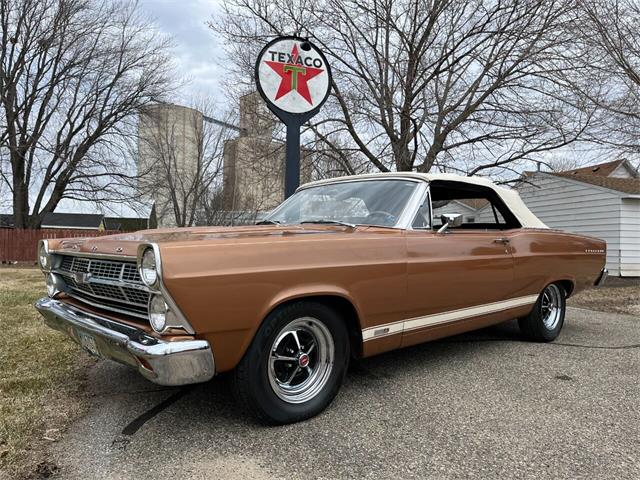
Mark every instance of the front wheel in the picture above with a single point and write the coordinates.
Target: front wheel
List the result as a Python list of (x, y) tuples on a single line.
[(295, 364), (546, 319)]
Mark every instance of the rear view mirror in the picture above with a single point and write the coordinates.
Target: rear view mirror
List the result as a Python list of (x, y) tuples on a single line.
[(449, 220)]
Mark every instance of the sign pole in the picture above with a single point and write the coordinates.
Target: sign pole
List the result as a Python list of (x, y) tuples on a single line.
[(294, 79), (292, 160)]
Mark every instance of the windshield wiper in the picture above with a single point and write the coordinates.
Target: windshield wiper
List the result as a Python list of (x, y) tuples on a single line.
[(329, 222), (269, 222)]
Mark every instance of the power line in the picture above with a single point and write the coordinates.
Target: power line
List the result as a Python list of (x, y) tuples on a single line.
[(221, 123), (204, 117)]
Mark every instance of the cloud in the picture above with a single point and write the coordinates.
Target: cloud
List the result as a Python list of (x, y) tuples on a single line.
[(199, 59), (198, 50)]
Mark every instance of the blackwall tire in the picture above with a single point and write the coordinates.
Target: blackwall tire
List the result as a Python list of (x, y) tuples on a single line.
[(545, 321), (295, 364)]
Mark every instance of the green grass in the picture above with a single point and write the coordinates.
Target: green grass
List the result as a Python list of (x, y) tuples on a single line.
[(40, 371)]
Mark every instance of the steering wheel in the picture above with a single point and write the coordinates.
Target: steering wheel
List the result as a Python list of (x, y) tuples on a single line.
[(385, 217)]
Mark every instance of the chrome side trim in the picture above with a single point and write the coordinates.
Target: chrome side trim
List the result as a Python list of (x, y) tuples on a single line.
[(411, 324)]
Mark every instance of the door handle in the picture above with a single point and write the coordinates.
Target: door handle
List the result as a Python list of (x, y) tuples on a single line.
[(501, 240)]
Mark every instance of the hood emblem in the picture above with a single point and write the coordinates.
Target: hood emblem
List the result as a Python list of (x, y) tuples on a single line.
[(119, 250), (94, 248)]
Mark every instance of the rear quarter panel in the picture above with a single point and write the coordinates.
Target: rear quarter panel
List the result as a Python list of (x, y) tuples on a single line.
[(545, 256)]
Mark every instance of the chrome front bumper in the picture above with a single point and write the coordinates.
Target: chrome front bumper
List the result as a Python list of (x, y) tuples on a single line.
[(602, 277), (162, 362)]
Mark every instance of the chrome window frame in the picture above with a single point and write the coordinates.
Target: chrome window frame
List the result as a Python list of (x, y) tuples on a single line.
[(506, 205), (425, 198), (413, 205), (408, 212)]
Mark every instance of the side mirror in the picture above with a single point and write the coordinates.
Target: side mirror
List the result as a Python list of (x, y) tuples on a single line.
[(449, 220)]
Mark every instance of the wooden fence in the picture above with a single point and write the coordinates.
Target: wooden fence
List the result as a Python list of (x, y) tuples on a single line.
[(21, 245)]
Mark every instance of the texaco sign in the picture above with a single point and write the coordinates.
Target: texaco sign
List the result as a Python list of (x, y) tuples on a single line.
[(293, 77)]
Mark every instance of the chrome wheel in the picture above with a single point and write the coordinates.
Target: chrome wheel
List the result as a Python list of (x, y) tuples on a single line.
[(301, 360), (551, 306)]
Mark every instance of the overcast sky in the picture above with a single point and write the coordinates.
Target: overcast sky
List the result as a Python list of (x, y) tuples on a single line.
[(198, 55), (198, 51)]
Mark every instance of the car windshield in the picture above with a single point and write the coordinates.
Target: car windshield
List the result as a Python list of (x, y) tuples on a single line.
[(369, 202)]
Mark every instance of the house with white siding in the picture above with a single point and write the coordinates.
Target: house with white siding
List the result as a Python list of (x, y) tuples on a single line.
[(600, 200), (466, 208)]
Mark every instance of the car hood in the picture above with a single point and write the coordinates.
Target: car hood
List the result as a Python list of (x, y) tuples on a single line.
[(127, 243)]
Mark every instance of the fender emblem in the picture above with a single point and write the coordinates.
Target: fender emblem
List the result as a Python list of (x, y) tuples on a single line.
[(381, 331)]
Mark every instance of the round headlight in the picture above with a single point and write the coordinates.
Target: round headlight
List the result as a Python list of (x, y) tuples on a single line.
[(148, 268), (44, 258), (52, 285), (158, 313)]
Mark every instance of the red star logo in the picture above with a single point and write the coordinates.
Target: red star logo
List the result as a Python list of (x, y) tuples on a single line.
[(294, 76)]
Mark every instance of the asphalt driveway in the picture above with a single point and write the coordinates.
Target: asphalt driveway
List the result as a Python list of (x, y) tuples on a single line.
[(481, 405)]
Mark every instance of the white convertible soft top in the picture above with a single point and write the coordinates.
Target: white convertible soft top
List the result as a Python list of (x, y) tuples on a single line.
[(510, 197)]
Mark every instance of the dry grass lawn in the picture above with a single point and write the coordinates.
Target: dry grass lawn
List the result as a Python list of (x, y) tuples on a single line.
[(41, 375), (617, 295), (41, 371)]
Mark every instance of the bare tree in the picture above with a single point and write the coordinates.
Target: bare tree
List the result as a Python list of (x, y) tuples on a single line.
[(182, 155), (73, 74), (464, 85), (607, 65)]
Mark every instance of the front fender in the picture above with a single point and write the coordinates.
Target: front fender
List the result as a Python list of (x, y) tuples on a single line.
[(306, 291), (230, 345)]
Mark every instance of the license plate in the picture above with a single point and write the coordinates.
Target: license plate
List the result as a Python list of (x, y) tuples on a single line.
[(88, 343)]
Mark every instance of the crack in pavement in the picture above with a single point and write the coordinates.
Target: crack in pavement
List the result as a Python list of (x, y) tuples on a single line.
[(138, 422)]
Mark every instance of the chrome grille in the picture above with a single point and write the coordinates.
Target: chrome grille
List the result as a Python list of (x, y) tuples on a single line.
[(110, 284), (108, 291), (103, 269), (130, 273), (110, 270), (136, 296)]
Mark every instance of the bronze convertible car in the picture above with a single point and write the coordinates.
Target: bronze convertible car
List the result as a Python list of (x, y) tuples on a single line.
[(347, 267)]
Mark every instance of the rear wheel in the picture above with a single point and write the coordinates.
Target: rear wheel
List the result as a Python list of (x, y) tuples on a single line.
[(295, 364), (546, 319)]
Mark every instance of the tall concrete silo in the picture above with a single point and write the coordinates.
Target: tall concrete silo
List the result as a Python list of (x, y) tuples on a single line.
[(254, 163), (170, 141)]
